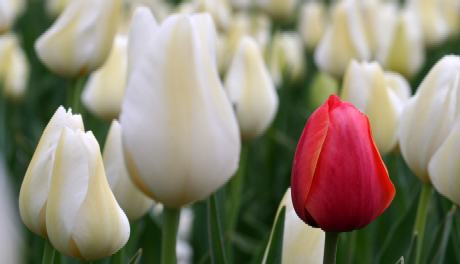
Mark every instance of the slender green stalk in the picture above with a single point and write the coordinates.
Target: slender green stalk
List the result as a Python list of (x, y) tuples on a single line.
[(169, 235), (119, 257), (48, 253), (420, 221), (74, 94), (216, 242), (330, 247)]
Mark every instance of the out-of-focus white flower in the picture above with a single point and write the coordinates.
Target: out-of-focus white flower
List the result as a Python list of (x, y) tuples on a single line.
[(218, 9), (365, 85), (83, 218), (279, 9), (251, 90), (432, 20), (402, 48), (133, 202), (14, 69), (450, 9), (103, 93), (286, 57), (36, 184), (55, 7), (81, 38), (345, 39), (196, 145), (9, 11), (159, 8), (11, 237), (312, 23), (242, 4), (429, 116)]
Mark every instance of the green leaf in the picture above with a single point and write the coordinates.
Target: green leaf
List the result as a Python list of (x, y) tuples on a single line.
[(136, 258), (441, 250), (215, 232), (273, 254), (400, 260)]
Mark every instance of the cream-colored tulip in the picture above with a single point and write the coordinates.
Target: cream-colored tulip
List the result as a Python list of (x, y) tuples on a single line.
[(402, 50), (301, 242), (251, 90), (366, 87), (83, 218), (312, 23), (286, 57), (345, 39), (103, 93), (80, 40), (36, 184), (444, 167), (429, 116), (9, 11), (242, 4), (160, 8), (451, 12), (55, 7), (133, 202), (279, 9), (174, 90), (218, 9), (14, 70), (432, 20)]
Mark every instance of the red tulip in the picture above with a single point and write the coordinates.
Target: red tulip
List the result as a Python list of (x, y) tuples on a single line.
[(339, 181)]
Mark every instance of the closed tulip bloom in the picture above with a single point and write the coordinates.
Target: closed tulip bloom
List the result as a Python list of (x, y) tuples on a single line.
[(312, 23), (81, 38), (103, 93), (451, 12), (133, 202), (218, 9), (339, 181), (35, 187), (196, 145), (251, 90), (444, 167), (9, 11), (366, 87), (345, 39), (432, 20), (14, 71), (428, 117), (55, 7), (83, 219), (279, 9), (402, 50)]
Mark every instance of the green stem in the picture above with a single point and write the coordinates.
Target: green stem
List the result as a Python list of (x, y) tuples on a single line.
[(48, 253), (169, 235), (330, 247), (119, 257), (420, 221), (75, 90), (216, 243)]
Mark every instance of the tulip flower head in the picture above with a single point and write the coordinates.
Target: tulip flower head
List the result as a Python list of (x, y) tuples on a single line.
[(9, 10), (312, 23), (251, 89), (196, 144), (339, 181), (14, 71), (81, 38)]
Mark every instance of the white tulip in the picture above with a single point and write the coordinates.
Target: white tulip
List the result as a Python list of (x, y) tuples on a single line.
[(251, 90), (444, 167), (83, 218), (366, 87), (55, 7), (9, 11), (312, 23), (402, 48), (345, 39), (218, 9), (189, 143), (36, 184), (279, 9), (160, 8), (14, 71), (103, 93), (429, 115), (432, 20), (81, 38), (133, 202), (451, 12)]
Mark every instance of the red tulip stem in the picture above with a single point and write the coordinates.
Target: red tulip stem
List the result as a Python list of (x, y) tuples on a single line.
[(330, 247), (420, 221)]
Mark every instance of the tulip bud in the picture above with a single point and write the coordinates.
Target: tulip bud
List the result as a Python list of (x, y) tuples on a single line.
[(105, 88), (218, 9), (251, 90), (279, 9), (286, 58), (432, 21), (428, 117), (402, 48), (55, 7), (444, 167), (36, 184), (159, 8), (323, 85), (312, 23), (133, 202), (81, 38), (301, 243), (451, 12), (9, 10), (14, 71), (196, 145), (83, 219), (337, 153), (365, 86), (344, 39)]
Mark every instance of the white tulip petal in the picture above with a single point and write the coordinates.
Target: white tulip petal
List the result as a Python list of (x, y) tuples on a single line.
[(312, 23)]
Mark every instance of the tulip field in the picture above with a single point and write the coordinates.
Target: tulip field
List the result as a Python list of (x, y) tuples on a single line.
[(229, 131)]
